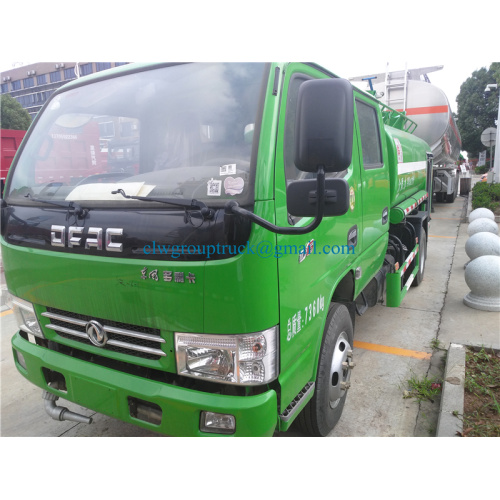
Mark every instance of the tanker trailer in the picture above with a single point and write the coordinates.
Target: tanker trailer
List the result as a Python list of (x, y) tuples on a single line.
[(428, 106)]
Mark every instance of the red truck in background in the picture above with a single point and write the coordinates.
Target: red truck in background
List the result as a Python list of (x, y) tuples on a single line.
[(69, 155), (10, 141)]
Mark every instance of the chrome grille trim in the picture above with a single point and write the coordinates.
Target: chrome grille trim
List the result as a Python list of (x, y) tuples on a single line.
[(140, 348), (130, 333), (112, 330), (73, 321), (69, 331), (109, 329)]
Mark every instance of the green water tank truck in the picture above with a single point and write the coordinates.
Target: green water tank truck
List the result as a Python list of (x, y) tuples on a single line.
[(211, 286)]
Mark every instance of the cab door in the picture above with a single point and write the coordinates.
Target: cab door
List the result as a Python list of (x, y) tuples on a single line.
[(375, 193), (306, 283)]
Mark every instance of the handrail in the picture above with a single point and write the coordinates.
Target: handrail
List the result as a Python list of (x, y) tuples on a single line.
[(397, 119)]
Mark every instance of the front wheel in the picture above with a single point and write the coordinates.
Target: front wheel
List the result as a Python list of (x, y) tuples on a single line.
[(323, 411)]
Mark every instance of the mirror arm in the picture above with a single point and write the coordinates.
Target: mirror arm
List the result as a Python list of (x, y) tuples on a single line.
[(232, 208)]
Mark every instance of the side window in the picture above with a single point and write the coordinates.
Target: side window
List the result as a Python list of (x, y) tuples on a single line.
[(370, 135)]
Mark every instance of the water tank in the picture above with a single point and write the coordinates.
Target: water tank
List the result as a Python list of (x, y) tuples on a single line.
[(407, 158)]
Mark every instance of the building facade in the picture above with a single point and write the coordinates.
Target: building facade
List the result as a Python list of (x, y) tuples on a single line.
[(33, 84)]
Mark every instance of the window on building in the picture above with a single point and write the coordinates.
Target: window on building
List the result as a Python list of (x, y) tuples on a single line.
[(370, 135), (69, 73), (27, 101), (16, 85), (55, 76), (41, 79), (5, 88), (29, 82), (86, 69), (100, 66), (41, 97)]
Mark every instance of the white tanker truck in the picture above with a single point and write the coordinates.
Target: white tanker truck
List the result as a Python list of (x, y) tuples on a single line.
[(427, 105)]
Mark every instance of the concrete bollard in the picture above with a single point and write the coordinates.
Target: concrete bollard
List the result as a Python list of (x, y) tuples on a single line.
[(482, 276), (482, 225), (482, 244), (481, 213)]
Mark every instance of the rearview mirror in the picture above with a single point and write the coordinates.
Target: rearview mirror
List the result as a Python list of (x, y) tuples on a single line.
[(302, 197), (324, 125)]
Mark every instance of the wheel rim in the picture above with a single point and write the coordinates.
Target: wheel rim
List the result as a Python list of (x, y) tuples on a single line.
[(340, 373)]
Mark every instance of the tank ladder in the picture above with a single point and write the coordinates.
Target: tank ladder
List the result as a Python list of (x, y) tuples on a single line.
[(396, 88)]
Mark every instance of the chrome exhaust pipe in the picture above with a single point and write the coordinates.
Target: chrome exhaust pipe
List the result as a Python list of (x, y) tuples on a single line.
[(60, 412)]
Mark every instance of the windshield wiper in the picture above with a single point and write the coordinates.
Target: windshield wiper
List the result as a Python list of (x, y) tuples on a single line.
[(71, 206), (207, 213)]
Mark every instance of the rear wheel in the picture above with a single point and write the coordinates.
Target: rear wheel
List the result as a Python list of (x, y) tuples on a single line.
[(323, 411)]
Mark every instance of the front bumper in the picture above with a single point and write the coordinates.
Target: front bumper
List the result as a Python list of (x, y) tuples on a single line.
[(107, 391)]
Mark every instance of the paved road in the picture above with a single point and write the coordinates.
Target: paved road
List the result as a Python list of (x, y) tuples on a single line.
[(375, 405), (391, 346)]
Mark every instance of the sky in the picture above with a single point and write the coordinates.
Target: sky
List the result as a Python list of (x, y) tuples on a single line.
[(359, 38), (447, 79)]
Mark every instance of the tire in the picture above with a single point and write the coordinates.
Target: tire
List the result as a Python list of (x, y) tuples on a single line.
[(450, 198), (323, 411), (423, 256)]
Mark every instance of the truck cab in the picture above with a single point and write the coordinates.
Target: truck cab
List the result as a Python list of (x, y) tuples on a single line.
[(210, 287)]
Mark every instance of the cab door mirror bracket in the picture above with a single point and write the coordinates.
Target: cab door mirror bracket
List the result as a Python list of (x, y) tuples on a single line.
[(323, 143)]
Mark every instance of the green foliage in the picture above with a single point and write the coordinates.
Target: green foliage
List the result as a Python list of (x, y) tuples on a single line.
[(485, 375), (482, 170), (422, 389), (436, 344), (477, 110), (486, 195), (495, 67), (482, 392), (13, 116)]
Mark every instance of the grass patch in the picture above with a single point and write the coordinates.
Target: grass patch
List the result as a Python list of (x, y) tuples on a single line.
[(482, 394), (436, 345), (422, 389)]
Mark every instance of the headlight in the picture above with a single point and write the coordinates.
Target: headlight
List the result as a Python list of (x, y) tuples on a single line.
[(25, 315), (250, 359)]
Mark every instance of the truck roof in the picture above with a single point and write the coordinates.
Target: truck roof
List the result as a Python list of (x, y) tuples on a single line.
[(391, 116), (113, 72)]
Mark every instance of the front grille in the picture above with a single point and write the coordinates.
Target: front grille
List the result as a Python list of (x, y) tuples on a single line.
[(139, 341)]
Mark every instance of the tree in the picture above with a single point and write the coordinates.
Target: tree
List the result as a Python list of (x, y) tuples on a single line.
[(13, 116), (496, 71), (477, 110)]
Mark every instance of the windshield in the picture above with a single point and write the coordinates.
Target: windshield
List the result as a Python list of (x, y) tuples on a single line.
[(181, 131)]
